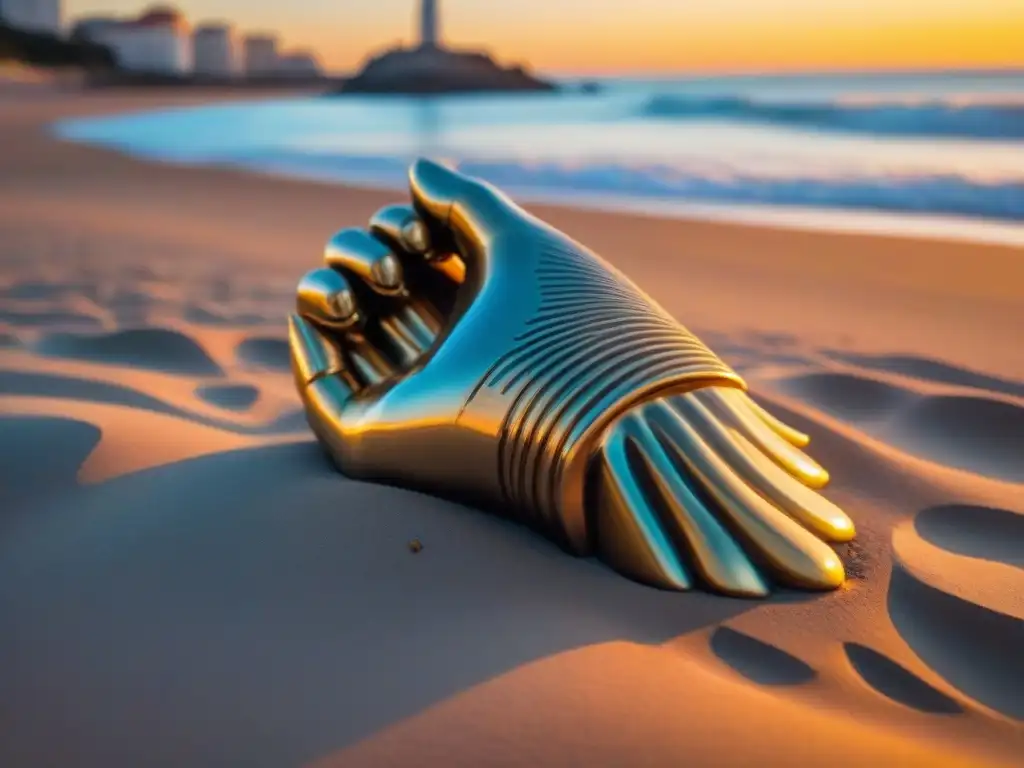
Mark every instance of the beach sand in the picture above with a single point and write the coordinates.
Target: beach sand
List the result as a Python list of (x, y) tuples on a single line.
[(184, 580)]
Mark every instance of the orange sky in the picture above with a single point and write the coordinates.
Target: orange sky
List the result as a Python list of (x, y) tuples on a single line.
[(651, 35)]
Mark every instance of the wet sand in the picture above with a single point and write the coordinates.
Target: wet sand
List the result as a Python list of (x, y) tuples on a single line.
[(185, 581)]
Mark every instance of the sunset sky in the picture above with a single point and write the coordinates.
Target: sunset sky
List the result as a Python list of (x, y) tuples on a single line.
[(646, 36)]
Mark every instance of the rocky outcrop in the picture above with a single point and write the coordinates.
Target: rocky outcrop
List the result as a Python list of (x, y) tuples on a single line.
[(428, 70)]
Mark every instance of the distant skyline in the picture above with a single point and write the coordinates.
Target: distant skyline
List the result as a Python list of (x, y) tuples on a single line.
[(644, 36)]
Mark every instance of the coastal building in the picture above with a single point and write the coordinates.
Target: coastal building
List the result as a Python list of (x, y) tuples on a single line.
[(299, 65), (157, 42), (215, 51), (33, 15), (93, 28), (430, 33), (260, 55)]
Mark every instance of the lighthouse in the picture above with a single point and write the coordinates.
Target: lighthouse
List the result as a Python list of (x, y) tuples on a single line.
[(429, 34)]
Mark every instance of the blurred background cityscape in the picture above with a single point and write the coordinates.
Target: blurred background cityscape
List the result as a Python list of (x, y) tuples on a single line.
[(160, 39)]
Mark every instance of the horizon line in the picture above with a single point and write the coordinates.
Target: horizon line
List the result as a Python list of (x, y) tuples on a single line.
[(697, 74), (1009, 69)]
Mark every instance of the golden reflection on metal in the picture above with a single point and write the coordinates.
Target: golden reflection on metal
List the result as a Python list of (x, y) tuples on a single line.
[(453, 267), (794, 436), (463, 347), (740, 416), (325, 297)]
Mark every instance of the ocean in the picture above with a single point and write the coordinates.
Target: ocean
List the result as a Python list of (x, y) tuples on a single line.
[(934, 153)]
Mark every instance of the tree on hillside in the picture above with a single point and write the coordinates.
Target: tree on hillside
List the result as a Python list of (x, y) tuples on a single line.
[(45, 50)]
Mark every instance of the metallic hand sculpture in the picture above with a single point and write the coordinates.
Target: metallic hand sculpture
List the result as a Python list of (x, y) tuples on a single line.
[(463, 347)]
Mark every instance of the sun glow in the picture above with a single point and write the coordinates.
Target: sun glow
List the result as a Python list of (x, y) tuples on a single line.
[(610, 36)]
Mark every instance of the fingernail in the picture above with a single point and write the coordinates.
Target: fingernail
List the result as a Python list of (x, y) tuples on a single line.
[(387, 272), (416, 236), (344, 306), (324, 296), (362, 255)]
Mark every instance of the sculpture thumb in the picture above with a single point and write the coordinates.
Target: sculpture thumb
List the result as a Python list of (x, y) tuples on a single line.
[(467, 210)]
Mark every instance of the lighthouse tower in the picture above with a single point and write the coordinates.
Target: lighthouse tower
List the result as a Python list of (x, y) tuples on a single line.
[(430, 36)]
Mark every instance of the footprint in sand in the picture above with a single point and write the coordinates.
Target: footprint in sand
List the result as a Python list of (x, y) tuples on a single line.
[(992, 534), (758, 661), (897, 683), (956, 596), (977, 434), (857, 399), (155, 349), (265, 352), (231, 397)]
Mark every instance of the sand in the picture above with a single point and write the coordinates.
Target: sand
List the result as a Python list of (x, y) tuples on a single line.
[(185, 581)]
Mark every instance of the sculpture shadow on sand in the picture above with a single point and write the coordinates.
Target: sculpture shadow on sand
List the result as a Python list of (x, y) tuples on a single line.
[(237, 608)]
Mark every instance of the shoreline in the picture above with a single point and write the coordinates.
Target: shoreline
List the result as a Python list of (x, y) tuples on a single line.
[(926, 225)]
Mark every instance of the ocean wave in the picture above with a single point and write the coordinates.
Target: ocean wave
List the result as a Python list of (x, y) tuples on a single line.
[(933, 194), (937, 118)]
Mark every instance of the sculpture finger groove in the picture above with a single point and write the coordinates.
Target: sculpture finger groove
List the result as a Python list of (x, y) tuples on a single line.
[(594, 341)]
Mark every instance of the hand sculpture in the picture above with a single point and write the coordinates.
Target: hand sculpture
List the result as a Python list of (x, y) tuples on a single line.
[(465, 348)]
